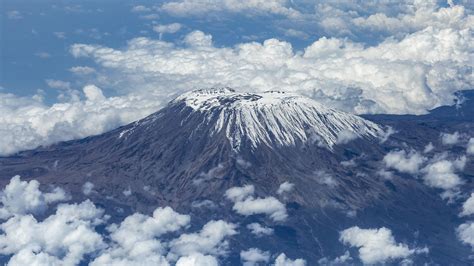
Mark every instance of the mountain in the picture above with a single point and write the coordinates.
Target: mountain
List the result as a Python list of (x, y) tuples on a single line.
[(271, 118), (207, 141)]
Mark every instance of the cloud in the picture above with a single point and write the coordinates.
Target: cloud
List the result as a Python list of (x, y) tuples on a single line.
[(246, 204), (385, 174), (215, 172), (468, 206), (428, 148), (87, 188), (450, 139), (389, 18), (31, 257), (14, 14), (140, 8), (388, 132), (167, 28), (27, 123), (65, 237), (324, 178), (210, 240), (259, 230), (283, 260), (243, 163), (403, 161), (239, 193), (270, 206), (285, 187), (345, 137), (465, 233), (254, 256), (296, 34), (135, 239), (150, 16), (60, 34), (127, 192), (441, 173), (349, 163), (341, 260), (376, 245), (79, 233), (410, 75), (43, 55), (24, 197), (93, 93), (82, 70), (197, 259), (198, 39), (58, 84), (204, 203), (201, 8), (470, 146)]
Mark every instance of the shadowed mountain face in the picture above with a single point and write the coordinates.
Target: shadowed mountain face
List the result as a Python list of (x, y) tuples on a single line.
[(207, 141)]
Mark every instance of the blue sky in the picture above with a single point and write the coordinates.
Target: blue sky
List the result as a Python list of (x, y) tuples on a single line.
[(86, 67), (37, 35)]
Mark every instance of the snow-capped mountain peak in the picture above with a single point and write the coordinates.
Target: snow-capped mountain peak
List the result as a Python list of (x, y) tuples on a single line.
[(274, 117)]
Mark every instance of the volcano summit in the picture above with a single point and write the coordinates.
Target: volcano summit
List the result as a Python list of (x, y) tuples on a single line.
[(268, 118)]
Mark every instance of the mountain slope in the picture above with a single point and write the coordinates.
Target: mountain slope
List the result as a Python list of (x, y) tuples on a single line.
[(207, 141)]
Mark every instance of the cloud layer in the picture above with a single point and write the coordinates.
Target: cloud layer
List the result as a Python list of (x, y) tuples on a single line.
[(410, 75), (376, 245), (257, 7), (22, 197), (79, 232), (27, 123)]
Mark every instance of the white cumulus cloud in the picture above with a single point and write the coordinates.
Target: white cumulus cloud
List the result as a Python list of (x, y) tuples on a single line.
[(441, 173), (376, 245), (210, 240), (27, 123), (87, 188), (82, 70), (409, 75), (285, 187), (283, 260), (254, 256), (72, 236), (197, 259), (466, 233), (470, 146), (406, 162), (23, 197), (65, 237), (259, 230), (167, 28), (200, 8), (468, 206), (246, 204), (450, 139), (135, 239)]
